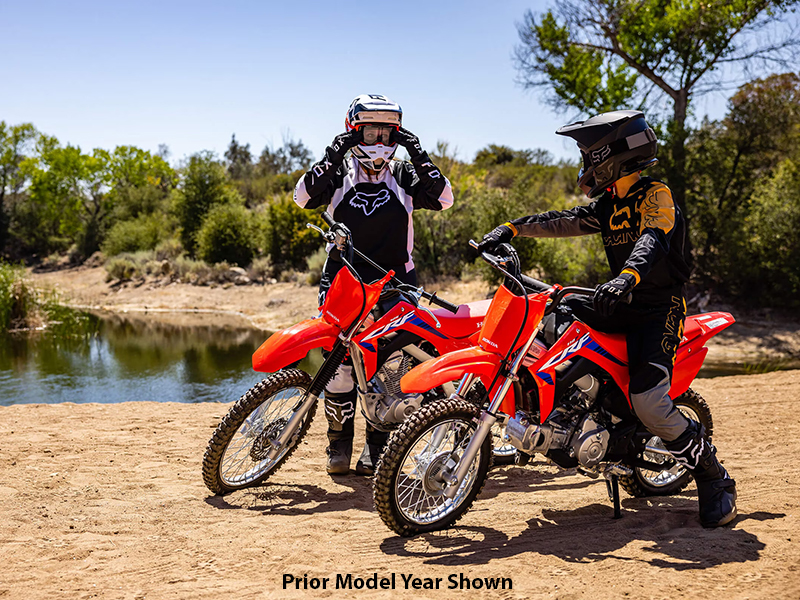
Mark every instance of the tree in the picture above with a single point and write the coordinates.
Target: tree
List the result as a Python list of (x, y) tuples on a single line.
[(292, 156), (727, 158), (599, 55), (240, 160), (204, 185), (16, 141)]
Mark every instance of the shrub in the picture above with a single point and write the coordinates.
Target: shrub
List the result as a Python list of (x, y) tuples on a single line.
[(288, 240), (123, 268), (315, 262), (260, 269), (205, 184), (145, 232), (169, 249), (227, 235)]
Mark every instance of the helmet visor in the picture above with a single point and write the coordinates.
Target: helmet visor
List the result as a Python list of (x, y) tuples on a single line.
[(377, 134)]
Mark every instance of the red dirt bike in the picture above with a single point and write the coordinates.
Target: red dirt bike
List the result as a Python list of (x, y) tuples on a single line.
[(568, 402), (266, 424)]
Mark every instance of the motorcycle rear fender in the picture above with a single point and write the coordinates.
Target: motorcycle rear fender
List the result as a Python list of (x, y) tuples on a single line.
[(452, 367), (290, 345)]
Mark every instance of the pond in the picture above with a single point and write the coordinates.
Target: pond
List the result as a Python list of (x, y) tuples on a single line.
[(107, 357), (112, 357)]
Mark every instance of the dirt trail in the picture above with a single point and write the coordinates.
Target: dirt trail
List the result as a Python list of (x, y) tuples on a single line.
[(106, 501)]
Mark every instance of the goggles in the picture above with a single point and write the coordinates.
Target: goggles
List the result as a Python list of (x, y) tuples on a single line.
[(377, 134)]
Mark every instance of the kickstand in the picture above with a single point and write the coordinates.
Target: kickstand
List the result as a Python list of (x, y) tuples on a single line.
[(612, 485)]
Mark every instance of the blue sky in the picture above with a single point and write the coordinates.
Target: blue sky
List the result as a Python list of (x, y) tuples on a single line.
[(189, 74)]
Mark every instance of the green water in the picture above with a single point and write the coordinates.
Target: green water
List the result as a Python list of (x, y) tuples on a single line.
[(118, 358)]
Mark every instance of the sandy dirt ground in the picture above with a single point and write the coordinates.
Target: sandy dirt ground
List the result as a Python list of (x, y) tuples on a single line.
[(107, 501), (753, 339)]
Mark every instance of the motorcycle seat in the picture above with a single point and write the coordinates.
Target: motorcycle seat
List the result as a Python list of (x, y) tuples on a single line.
[(465, 322)]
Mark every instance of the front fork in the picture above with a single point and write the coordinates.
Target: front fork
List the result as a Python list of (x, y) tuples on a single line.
[(455, 472)]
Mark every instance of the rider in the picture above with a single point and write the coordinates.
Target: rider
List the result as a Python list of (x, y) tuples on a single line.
[(645, 241), (374, 196)]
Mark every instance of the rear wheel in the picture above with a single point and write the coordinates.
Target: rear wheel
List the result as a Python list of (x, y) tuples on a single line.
[(672, 480), (236, 456), (409, 488)]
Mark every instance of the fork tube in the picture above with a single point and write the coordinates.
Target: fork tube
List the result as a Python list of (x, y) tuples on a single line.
[(358, 367), (487, 419), (509, 380), (277, 445), (465, 384)]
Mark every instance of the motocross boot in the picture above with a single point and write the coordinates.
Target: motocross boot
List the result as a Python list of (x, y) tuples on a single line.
[(340, 412), (373, 447), (716, 491)]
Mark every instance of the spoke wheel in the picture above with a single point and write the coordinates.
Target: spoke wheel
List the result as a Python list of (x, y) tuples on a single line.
[(236, 456), (410, 480), (672, 480)]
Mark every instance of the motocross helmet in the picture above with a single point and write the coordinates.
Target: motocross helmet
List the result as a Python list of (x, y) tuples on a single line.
[(612, 145), (375, 116)]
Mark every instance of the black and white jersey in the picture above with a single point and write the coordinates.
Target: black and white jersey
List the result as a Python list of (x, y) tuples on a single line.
[(377, 210)]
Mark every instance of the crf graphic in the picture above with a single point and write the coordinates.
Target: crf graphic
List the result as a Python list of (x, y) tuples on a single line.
[(369, 202), (619, 220)]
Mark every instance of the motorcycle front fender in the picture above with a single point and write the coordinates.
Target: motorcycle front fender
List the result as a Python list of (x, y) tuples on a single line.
[(452, 367), (290, 345)]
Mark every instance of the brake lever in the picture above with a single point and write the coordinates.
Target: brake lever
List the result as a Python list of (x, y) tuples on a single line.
[(428, 310), (327, 235)]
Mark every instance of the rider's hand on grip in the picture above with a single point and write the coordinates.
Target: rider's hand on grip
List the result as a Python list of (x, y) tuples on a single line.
[(499, 235), (608, 295)]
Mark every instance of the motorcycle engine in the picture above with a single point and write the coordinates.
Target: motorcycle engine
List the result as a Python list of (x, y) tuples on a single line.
[(570, 427), (385, 406), (590, 442)]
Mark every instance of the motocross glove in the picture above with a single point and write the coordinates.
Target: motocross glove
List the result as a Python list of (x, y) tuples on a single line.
[(344, 141), (407, 140), (608, 295), (499, 235)]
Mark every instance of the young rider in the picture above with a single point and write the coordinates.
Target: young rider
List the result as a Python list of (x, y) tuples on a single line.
[(374, 196), (645, 241)]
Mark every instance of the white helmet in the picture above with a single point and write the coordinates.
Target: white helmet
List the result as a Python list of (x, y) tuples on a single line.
[(377, 116)]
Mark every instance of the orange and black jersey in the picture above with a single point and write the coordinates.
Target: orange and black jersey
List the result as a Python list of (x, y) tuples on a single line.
[(643, 234)]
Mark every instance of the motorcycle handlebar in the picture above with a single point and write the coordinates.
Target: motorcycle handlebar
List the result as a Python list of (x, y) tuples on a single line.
[(328, 219), (434, 299)]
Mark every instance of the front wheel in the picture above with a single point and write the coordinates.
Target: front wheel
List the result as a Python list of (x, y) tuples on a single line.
[(409, 490), (236, 456), (673, 480)]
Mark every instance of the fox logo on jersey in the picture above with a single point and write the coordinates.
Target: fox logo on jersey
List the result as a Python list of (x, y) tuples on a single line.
[(370, 202)]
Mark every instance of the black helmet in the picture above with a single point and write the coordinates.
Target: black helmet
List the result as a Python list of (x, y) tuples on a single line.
[(613, 145)]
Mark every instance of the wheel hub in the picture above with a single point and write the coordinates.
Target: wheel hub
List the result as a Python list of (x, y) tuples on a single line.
[(263, 443), (433, 481)]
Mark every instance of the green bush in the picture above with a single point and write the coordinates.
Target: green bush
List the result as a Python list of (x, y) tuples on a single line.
[(145, 232), (205, 184), (315, 262), (770, 273), (227, 235), (22, 306), (287, 239), (122, 268)]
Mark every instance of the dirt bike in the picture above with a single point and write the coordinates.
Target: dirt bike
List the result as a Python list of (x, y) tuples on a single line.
[(266, 424), (568, 402)]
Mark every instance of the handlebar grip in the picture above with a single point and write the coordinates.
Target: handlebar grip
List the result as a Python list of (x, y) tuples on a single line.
[(434, 299), (326, 216), (534, 284)]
